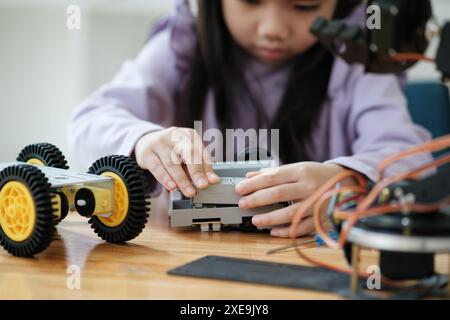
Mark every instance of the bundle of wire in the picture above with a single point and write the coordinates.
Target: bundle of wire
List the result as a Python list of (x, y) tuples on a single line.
[(366, 199)]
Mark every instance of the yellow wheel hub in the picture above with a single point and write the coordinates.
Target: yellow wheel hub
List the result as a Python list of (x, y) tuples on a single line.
[(17, 211), (36, 162), (121, 202)]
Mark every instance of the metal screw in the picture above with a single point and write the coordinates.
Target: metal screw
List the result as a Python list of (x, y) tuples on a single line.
[(393, 10), (81, 203), (406, 221), (398, 192)]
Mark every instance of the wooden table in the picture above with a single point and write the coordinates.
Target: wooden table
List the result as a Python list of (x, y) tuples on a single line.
[(138, 269)]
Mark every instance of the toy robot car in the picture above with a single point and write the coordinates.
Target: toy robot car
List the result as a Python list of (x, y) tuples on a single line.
[(217, 206), (38, 191)]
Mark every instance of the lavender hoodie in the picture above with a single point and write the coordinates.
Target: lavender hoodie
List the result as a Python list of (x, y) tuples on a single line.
[(363, 120)]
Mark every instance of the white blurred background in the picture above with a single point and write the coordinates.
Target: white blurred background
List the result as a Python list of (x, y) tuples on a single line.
[(46, 69)]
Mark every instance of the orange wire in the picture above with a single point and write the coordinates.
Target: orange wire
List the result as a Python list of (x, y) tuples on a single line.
[(299, 215), (370, 198), (348, 270), (431, 146), (362, 210), (411, 56), (373, 212), (317, 213), (325, 265), (320, 197), (382, 210)]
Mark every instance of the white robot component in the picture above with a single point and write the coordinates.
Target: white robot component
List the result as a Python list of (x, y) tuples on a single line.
[(217, 206)]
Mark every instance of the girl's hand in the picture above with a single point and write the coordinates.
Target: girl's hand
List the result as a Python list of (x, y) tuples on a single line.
[(294, 183), (177, 159)]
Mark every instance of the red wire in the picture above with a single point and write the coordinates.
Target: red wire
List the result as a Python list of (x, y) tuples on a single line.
[(410, 57)]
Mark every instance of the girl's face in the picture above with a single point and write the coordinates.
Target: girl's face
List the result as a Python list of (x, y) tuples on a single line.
[(274, 30)]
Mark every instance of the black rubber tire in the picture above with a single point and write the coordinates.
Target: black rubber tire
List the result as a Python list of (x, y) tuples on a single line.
[(39, 188), (50, 155), (138, 212)]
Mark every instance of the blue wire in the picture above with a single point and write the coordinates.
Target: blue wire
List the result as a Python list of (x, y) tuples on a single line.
[(332, 234)]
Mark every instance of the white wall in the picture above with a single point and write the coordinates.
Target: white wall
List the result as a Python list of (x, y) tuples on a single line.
[(45, 69)]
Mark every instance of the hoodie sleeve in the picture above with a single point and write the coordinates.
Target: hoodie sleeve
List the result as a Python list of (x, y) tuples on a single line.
[(380, 125), (142, 96)]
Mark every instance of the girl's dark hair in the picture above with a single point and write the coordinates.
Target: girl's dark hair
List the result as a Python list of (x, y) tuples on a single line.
[(213, 67)]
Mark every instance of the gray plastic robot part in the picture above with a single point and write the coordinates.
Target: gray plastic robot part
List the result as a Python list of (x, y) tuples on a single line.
[(217, 205)]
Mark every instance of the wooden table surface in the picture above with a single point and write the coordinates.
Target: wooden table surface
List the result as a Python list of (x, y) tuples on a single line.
[(138, 270)]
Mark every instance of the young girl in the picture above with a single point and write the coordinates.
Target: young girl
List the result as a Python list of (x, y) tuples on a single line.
[(249, 64)]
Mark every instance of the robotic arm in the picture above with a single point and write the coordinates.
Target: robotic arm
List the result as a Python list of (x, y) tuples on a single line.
[(390, 215), (393, 46)]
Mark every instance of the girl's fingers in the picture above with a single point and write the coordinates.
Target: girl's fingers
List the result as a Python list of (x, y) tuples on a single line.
[(213, 178), (266, 179), (281, 193), (275, 218), (156, 168), (191, 151), (252, 174), (175, 170), (198, 175), (305, 227)]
